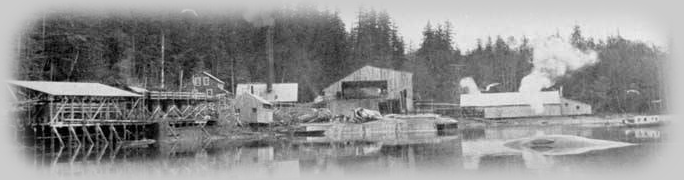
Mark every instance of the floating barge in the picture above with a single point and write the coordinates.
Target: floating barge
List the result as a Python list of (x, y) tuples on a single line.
[(641, 121), (390, 125)]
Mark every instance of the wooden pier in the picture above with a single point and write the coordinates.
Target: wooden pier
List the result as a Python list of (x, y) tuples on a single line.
[(59, 114)]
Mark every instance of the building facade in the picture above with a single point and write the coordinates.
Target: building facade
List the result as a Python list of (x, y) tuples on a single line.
[(253, 109), (208, 84), (514, 105), (385, 90)]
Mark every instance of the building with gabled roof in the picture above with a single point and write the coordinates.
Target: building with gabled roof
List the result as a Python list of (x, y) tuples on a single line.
[(385, 90), (208, 84), (253, 109)]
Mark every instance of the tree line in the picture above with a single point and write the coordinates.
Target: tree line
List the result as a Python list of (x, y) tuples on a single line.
[(313, 48)]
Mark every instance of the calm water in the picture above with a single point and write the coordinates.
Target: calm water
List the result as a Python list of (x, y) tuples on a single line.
[(471, 150)]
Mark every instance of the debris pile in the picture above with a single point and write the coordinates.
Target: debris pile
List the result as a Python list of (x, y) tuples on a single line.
[(301, 115)]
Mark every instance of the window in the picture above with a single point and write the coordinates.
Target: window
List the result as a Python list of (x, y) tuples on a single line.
[(237, 111), (210, 92), (253, 110), (577, 107), (206, 81), (251, 89), (566, 104), (196, 81)]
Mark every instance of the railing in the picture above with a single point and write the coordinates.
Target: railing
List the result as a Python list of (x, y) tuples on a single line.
[(181, 95)]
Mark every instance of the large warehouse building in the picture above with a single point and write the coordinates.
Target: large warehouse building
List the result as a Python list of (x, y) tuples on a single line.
[(385, 90), (514, 104)]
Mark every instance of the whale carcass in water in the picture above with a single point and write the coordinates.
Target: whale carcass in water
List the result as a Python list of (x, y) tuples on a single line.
[(562, 144)]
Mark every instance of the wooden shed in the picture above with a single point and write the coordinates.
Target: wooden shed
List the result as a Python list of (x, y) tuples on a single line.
[(253, 109), (392, 91)]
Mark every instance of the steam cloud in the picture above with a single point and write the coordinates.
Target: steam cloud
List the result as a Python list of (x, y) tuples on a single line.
[(469, 84), (552, 59)]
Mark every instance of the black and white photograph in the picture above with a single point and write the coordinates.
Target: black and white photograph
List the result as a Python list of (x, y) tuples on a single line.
[(297, 89)]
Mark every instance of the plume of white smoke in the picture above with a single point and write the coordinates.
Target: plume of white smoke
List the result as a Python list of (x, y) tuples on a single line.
[(552, 59), (470, 85)]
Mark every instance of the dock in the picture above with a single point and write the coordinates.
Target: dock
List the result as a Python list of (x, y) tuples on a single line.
[(384, 129), (75, 114)]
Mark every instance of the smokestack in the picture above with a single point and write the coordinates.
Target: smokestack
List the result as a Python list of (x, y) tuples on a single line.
[(260, 18), (271, 64)]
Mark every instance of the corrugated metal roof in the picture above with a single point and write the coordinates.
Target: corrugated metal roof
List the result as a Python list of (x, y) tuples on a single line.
[(282, 92), (507, 99), (74, 88)]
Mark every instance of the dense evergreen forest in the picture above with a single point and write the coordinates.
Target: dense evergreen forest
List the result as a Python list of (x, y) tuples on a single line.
[(313, 48)]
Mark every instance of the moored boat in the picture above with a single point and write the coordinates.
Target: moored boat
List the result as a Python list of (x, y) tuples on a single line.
[(649, 120)]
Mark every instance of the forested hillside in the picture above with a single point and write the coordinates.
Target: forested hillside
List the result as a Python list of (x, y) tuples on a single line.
[(312, 47)]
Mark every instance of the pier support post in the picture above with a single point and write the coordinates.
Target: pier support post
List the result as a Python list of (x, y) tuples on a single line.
[(113, 132), (59, 137), (72, 132), (87, 135), (100, 133)]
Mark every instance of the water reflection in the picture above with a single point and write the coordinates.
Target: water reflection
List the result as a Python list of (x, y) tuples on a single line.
[(475, 149), (485, 149)]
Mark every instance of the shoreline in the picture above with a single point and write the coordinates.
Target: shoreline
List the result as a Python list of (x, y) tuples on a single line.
[(605, 120), (230, 133)]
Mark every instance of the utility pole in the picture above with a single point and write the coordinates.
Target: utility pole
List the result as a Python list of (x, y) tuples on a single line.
[(162, 59), (180, 80)]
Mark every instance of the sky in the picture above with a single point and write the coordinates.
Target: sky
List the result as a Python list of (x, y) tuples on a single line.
[(534, 19)]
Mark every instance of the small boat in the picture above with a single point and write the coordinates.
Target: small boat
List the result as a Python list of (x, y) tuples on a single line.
[(642, 121), (311, 129)]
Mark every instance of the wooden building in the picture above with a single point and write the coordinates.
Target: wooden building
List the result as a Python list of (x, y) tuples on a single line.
[(208, 84), (282, 93), (572, 107), (385, 90), (515, 104), (253, 109)]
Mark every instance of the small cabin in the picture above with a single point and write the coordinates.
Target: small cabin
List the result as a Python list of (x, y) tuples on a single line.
[(206, 83), (253, 109)]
